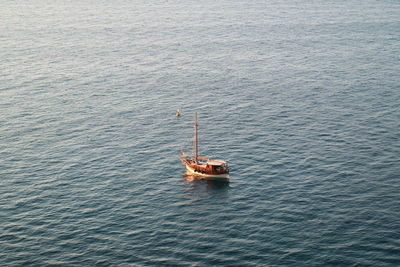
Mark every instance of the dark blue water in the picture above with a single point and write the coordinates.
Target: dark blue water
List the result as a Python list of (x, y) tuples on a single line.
[(302, 98)]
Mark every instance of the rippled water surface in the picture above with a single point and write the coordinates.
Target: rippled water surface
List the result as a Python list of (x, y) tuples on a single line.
[(302, 98)]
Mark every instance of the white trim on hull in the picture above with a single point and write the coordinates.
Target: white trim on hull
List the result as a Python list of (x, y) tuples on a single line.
[(214, 176)]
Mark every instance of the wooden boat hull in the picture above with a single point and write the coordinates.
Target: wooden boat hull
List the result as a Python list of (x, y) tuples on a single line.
[(192, 171)]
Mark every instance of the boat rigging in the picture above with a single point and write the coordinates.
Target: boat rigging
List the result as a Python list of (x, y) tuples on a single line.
[(201, 166)]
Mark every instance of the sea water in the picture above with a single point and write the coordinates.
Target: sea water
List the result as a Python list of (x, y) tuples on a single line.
[(301, 98)]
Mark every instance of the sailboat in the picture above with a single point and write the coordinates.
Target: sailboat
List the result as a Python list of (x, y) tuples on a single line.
[(200, 166)]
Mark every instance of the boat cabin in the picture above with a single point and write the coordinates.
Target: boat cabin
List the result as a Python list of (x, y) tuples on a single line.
[(207, 166)]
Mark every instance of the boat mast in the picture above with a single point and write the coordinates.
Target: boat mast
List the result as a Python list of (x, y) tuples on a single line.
[(196, 138)]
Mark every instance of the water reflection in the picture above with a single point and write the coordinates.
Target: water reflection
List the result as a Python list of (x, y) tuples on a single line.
[(216, 184)]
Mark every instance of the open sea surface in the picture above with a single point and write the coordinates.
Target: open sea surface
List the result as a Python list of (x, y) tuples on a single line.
[(302, 98)]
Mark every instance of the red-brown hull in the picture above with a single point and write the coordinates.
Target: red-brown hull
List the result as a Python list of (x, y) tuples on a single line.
[(206, 169)]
